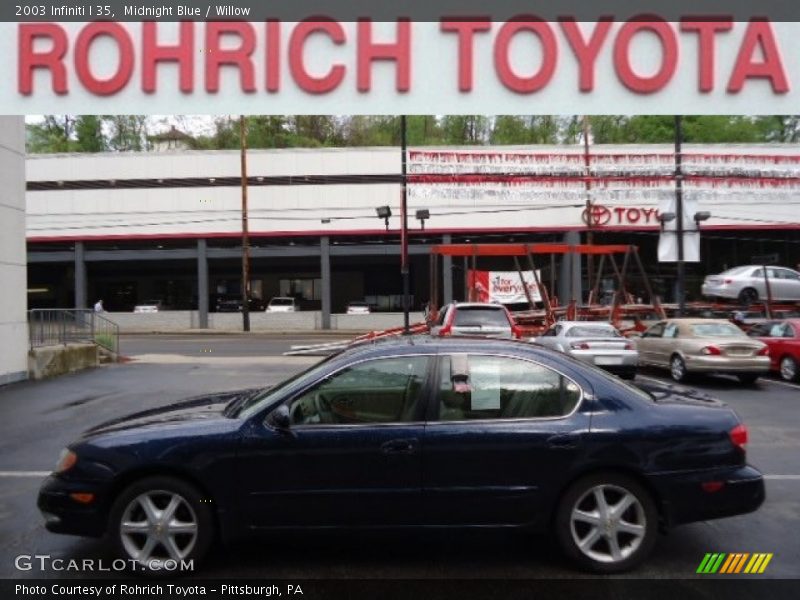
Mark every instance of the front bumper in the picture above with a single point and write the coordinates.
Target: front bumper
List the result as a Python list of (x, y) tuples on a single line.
[(685, 501), (62, 514), (723, 364)]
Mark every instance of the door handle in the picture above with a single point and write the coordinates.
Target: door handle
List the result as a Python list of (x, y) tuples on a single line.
[(564, 441), (405, 446)]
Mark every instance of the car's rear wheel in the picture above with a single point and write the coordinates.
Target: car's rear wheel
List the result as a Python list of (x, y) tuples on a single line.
[(159, 522), (747, 378), (607, 523), (748, 296), (788, 369), (677, 369)]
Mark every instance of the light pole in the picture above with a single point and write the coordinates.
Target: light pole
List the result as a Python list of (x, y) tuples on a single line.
[(423, 214), (404, 228), (245, 230), (680, 288)]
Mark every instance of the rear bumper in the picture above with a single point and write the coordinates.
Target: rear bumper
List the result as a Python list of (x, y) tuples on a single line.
[(716, 364), (624, 362), (62, 514), (685, 501)]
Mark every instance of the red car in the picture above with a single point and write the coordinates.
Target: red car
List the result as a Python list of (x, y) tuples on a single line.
[(783, 339)]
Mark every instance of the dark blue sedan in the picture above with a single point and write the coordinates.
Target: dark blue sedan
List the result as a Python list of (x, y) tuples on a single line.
[(408, 433)]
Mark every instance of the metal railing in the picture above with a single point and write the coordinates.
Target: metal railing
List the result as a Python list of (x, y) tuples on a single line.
[(56, 326)]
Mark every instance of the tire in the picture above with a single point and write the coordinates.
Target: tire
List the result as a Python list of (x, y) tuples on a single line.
[(747, 378), (186, 536), (677, 369), (748, 296), (579, 520), (789, 369)]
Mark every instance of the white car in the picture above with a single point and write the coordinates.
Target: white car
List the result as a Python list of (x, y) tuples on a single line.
[(148, 306), (357, 307), (282, 304), (746, 284)]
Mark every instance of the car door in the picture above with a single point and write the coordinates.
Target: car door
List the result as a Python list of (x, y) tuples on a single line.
[(351, 455), (648, 345), (789, 285), (504, 433)]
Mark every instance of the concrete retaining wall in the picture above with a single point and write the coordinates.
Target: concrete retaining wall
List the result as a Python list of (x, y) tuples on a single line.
[(176, 321), (52, 361)]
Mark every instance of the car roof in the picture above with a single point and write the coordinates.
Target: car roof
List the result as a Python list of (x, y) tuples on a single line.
[(425, 344), (477, 305)]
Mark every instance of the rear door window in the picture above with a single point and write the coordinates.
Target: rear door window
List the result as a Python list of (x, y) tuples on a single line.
[(480, 387)]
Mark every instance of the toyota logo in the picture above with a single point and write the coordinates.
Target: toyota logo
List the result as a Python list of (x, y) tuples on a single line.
[(596, 215)]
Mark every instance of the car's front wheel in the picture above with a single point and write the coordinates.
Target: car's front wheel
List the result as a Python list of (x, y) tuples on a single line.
[(607, 523), (788, 369), (160, 522)]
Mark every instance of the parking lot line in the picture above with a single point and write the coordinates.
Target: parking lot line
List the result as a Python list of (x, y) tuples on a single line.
[(783, 477), (24, 473)]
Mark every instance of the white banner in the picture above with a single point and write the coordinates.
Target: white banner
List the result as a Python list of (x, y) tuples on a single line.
[(505, 287)]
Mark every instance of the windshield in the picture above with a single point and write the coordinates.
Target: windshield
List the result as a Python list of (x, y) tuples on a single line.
[(481, 316), (716, 330), (592, 331), (254, 403), (281, 302)]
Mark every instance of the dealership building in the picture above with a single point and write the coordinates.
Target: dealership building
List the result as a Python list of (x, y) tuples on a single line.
[(166, 226), (13, 322)]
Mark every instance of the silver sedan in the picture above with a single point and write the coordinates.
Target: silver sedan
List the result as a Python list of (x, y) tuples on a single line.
[(747, 285), (596, 343)]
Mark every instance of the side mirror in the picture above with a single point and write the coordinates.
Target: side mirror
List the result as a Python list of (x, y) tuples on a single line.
[(280, 418)]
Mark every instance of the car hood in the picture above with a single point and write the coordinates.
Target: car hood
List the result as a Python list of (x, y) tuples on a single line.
[(667, 393), (198, 408)]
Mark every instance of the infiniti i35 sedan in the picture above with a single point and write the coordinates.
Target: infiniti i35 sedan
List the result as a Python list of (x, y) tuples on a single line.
[(414, 432)]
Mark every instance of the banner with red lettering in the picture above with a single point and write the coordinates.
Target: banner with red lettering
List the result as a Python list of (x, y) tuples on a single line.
[(504, 287)]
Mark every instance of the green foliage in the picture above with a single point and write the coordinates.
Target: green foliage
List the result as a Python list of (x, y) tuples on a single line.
[(89, 134)]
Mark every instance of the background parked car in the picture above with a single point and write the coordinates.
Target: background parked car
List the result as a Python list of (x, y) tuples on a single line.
[(358, 307), (475, 318), (783, 339), (234, 304), (746, 284), (687, 346), (282, 304), (148, 306), (595, 343)]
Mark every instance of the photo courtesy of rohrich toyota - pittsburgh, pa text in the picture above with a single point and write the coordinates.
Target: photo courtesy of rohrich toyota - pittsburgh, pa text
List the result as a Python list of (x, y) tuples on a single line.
[(444, 300)]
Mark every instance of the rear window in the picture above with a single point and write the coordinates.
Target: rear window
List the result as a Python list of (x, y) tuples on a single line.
[(735, 270), (281, 302), (590, 331), (481, 316), (716, 330)]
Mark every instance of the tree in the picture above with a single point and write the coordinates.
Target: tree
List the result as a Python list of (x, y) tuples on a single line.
[(53, 134), (127, 133), (466, 129), (89, 134)]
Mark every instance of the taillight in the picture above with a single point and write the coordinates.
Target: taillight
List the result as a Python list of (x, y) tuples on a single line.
[(711, 351), (764, 351), (516, 331), (628, 346), (580, 346), (738, 436), (727, 281), (446, 330)]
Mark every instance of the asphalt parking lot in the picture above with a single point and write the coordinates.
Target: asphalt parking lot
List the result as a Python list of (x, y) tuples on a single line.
[(38, 419)]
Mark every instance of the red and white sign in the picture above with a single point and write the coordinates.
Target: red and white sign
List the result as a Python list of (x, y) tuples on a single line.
[(504, 287)]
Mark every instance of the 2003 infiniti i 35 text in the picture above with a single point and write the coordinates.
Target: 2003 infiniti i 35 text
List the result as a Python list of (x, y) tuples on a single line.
[(446, 432)]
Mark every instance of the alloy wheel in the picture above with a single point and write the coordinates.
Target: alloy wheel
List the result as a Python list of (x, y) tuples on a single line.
[(677, 368), (158, 525), (608, 523), (788, 368)]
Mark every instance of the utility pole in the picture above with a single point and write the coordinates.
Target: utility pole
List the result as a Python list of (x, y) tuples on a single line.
[(404, 228), (680, 287), (588, 174), (245, 230)]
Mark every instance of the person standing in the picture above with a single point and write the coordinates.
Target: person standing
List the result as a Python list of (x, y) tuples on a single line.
[(98, 306)]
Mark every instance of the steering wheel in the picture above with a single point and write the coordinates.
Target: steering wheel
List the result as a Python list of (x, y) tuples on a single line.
[(322, 407)]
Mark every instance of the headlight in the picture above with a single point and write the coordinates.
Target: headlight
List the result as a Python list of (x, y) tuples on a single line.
[(66, 461)]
